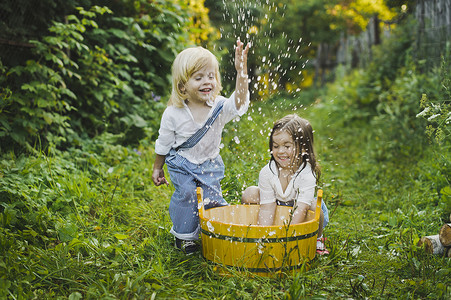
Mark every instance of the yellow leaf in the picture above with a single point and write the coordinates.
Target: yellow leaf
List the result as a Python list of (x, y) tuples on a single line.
[(121, 236)]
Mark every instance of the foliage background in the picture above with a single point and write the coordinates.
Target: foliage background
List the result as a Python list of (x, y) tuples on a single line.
[(80, 109)]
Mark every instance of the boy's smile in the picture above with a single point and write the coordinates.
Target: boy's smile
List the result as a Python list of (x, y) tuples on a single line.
[(201, 85)]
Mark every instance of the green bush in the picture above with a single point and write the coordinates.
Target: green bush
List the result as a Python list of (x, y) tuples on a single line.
[(89, 79), (436, 111)]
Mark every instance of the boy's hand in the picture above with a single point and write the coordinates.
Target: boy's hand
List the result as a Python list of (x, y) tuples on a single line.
[(241, 58), (158, 177), (158, 173)]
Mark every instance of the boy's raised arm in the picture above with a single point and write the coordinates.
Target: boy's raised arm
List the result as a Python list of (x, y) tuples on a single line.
[(242, 83)]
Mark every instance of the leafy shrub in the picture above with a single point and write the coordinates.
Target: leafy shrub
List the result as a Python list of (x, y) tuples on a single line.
[(360, 89), (397, 129), (436, 111), (89, 79)]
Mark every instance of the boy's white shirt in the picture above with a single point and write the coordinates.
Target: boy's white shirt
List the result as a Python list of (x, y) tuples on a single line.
[(177, 125), (301, 186)]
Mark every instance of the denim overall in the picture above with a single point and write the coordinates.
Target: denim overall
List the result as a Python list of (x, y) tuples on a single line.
[(186, 176)]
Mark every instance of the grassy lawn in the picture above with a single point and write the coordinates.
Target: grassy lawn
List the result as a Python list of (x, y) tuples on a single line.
[(378, 210), (88, 223)]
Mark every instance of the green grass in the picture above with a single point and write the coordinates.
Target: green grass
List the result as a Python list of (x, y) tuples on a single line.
[(379, 210), (88, 223)]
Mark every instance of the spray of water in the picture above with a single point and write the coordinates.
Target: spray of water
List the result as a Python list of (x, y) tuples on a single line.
[(275, 64)]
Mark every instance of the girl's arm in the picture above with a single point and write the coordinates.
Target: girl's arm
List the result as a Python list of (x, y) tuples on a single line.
[(266, 197), (266, 214), (300, 213), (305, 183), (158, 173), (242, 83)]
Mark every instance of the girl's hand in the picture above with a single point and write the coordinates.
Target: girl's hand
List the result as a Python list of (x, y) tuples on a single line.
[(300, 213), (241, 58)]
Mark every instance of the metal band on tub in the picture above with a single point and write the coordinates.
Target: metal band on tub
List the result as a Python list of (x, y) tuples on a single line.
[(259, 240)]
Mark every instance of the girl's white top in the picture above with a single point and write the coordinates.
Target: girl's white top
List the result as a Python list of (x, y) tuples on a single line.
[(177, 125), (300, 188)]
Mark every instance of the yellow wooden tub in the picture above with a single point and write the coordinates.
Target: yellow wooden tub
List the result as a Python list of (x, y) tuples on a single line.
[(230, 237)]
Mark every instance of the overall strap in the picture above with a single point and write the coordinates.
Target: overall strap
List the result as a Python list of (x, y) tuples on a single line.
[(197, 136)]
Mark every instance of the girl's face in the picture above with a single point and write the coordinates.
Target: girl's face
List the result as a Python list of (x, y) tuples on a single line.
[(284, 149), (201, 86)]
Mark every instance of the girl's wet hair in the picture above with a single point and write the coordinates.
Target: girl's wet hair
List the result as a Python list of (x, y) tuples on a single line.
[(301, 132), (188, 62)]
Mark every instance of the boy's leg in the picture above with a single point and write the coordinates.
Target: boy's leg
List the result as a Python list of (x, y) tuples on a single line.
[(209, 176), (183, 205)]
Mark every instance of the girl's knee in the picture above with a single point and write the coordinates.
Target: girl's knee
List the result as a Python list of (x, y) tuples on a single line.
[(321, 224), (251, 195)]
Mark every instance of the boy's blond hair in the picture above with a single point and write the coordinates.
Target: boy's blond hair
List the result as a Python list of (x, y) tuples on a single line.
[(185, 65)]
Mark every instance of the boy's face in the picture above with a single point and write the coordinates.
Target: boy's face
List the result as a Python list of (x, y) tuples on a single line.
[(201, 86)]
